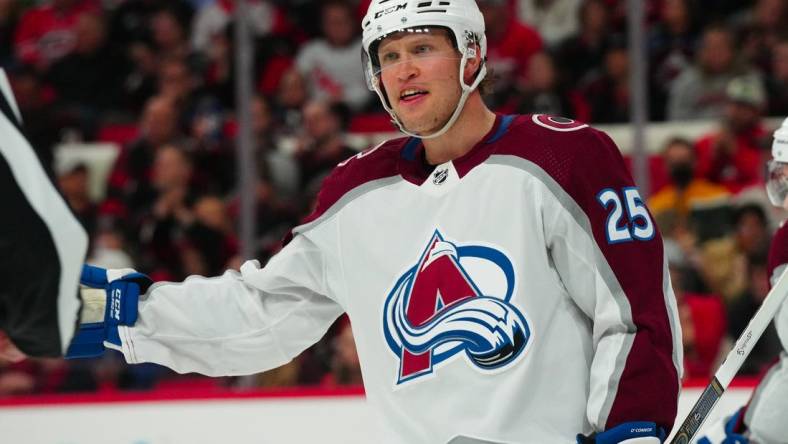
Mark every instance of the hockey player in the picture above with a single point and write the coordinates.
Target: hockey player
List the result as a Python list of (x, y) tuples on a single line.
[(42, 248), (763, 420), (504, 279)]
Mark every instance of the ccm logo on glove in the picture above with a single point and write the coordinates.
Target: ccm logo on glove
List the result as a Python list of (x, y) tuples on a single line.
[(115, 308)]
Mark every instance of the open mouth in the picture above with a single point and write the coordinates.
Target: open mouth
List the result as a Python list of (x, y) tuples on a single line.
[(411, 94)]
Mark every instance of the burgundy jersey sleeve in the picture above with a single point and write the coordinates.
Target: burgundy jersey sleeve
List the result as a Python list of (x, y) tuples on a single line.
[(620, 280), (648, 384)]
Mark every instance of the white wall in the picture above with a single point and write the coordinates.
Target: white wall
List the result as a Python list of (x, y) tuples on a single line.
[(312, 420)]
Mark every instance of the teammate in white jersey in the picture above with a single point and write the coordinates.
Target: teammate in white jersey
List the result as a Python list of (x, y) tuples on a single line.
[(763, 419), (504, 279)]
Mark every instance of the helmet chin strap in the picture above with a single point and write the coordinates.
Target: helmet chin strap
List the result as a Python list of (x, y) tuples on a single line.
[(466, 91)]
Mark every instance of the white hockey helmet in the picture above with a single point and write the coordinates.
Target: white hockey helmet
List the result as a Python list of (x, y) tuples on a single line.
[(461, 17), (777, 182)]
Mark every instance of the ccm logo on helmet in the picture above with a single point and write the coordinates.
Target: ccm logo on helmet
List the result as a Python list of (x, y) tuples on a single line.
[(390, 9)]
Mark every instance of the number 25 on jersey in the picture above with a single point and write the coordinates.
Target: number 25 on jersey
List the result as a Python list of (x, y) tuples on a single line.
[(637, 225)]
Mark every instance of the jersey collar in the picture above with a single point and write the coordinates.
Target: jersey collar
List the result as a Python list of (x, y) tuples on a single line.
[(413, 165)]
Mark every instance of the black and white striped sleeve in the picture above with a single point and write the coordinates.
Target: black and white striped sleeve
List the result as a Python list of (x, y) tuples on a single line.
[(42, 245)]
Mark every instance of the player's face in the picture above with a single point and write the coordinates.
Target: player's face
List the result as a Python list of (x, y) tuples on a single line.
[(777, 183), (419, 74)]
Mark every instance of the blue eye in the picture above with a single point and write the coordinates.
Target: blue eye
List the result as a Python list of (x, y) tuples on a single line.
[(389, 57)]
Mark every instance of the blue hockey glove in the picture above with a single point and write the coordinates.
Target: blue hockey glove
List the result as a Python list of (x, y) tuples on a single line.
[(109, 299), (627, 433), (725, 431)]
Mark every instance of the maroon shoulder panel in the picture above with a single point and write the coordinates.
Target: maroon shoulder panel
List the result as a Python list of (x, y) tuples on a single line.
[(778, 253), (374, 163), (587, 164)]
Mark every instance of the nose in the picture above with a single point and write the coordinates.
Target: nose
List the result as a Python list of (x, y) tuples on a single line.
[(406, 69)]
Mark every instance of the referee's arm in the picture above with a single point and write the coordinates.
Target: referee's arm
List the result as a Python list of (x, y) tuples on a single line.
[(42, 246)]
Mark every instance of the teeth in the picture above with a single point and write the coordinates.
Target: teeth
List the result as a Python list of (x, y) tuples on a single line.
[(410, 92)]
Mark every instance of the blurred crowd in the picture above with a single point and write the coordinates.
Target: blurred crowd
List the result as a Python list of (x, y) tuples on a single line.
[(157, 77)]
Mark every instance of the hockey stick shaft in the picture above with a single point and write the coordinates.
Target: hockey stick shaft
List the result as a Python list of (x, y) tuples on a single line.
[(733, 362)]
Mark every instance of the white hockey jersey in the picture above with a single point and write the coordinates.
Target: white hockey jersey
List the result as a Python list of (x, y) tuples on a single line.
[(766, 413), (516, 294)]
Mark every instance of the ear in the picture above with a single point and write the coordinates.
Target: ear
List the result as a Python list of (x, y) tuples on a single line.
[(472, 63)]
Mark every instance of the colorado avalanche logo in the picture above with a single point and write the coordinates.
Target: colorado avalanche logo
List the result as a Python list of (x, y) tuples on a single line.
[(455, 299)]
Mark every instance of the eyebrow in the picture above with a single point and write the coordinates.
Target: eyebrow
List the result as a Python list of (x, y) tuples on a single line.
[(418, 41)]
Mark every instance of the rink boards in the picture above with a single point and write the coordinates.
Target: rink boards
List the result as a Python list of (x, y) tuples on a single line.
[(300, 416)]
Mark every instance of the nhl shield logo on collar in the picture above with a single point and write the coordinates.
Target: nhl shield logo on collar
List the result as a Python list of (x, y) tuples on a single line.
[(454, 300)]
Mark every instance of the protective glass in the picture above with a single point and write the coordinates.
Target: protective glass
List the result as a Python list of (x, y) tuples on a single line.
[(777, 183)]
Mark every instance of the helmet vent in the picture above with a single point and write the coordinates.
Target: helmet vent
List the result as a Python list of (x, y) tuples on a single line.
[(430, 10), (424, 4), (444, 3)]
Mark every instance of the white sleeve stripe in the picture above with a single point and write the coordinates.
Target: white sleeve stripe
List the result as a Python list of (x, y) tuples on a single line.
[(675, 325), (69, 237)]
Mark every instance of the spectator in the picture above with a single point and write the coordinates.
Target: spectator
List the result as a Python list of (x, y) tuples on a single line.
[(671, 47), (725, 262), (699, 91), (130, 29), (685, 191), (322, 145), (510, 45), (606, 90), (165, 220), (89, 79), (129, 181), (169, 34), (216, 67), (109, 246), (278, 182), (733, 156), (210, 240), (274, 166), (331, 64), (760, 28), (46, 33), (584, 52), (175, 81), (213, 18), (703, 326), (743, 308), (291, 97), (777, 81), (540, 92), (73, 183), (140, 82), (130, 21), (555, 20)]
